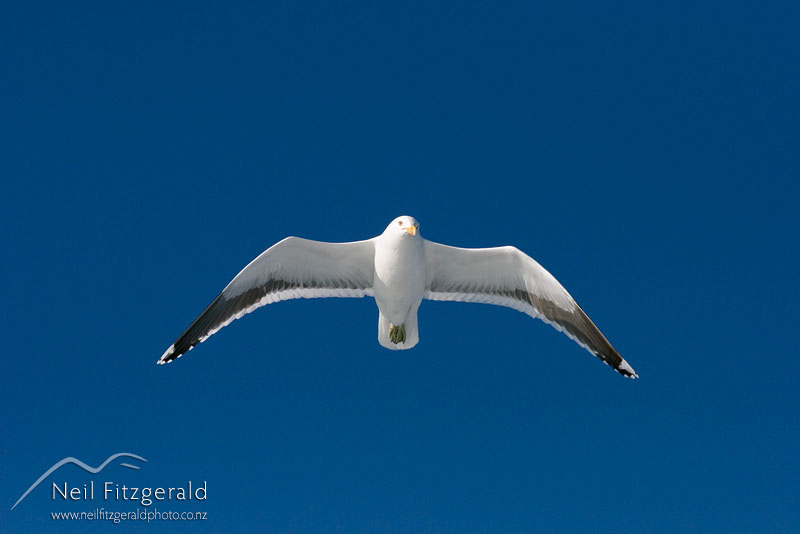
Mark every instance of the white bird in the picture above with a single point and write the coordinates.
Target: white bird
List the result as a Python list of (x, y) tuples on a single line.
[(399, 268)]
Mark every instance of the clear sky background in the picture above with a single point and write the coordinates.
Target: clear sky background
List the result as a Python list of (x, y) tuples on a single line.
[(646, 155)]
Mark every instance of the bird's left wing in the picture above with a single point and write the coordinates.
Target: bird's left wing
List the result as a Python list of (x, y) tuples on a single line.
[(293, 268), (507, 277)]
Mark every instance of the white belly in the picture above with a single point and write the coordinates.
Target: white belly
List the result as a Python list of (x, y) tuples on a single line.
[(399, 278)]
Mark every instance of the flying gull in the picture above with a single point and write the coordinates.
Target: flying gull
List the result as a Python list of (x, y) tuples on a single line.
[(399, 268)]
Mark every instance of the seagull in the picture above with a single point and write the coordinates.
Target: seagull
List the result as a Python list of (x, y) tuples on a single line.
[(399, 269)]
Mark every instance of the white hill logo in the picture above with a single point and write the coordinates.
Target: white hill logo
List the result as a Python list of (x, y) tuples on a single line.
[(82, 465), (112, 490)]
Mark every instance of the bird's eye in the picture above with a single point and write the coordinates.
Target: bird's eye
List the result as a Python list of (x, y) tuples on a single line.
[(400, 223)]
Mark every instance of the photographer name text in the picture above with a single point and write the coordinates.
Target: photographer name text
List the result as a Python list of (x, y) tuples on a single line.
[(117, 492)]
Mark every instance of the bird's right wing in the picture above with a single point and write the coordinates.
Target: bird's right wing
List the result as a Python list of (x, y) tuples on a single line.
[(508, 277), (293, 268)]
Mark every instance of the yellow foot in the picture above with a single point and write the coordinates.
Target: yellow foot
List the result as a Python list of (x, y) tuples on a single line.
[(397, 334)]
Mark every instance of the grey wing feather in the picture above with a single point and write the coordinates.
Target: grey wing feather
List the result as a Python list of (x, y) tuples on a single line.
[(293, 268), (505, 276)]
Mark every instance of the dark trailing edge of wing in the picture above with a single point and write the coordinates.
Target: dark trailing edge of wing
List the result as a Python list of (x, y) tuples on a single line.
[(577, 324), (222, 309)]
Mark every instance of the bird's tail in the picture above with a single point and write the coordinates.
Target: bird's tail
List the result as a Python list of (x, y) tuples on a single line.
[(398, 337)]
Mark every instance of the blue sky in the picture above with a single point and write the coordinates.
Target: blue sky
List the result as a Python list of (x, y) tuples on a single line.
[(645, 155)]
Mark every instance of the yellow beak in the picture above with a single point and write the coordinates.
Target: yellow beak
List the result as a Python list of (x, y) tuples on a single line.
[(411, 230)]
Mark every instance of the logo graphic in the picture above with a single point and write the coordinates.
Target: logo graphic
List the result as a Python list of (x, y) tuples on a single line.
[(86, 467)]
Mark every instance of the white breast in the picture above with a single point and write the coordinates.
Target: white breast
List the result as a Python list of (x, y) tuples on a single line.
[(399, 275)]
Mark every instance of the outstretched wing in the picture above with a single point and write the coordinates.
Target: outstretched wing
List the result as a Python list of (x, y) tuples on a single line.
[(293, 268), (507, 277)]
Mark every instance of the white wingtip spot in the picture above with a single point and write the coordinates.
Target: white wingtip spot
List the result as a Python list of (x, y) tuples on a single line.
[(625, 366), (166, 355)]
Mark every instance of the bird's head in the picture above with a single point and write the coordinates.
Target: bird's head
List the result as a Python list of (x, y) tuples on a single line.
[(403, 226)]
